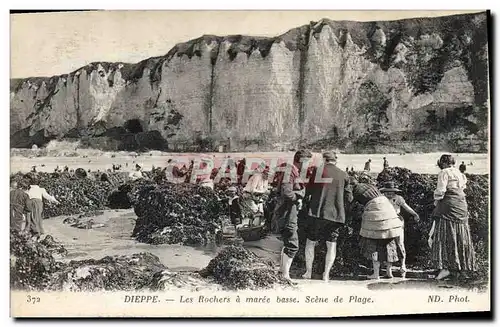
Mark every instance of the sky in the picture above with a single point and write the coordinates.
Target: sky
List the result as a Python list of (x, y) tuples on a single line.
[(50, 44)]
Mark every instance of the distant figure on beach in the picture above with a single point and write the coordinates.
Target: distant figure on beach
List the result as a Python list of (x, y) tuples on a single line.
[(386, 163), (347, 170), (462, 168), (33, 169), (352, 170), (66, 169), (367, 165)]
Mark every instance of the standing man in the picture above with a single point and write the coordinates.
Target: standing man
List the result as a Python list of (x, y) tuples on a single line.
[(290, 194), (367, 165), (19, 200), (326, 215)]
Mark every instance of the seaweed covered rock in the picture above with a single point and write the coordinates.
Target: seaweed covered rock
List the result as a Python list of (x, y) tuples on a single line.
[(187, 281), (80, 173), (125, 195), (176, 213), (54, 247), (116, 273), (114, 179), (33, 267), (363, 177), (76, 195), (31, 263), (85, 223), (237, 268), (91, 214), (477, 194)]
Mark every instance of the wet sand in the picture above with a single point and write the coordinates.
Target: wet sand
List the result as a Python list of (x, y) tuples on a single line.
[(115, 239)]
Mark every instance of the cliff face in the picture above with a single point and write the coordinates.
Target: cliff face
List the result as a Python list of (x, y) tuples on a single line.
[(328, 84)]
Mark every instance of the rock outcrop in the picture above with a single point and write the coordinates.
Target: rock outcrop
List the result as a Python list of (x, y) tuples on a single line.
[(341, 84)]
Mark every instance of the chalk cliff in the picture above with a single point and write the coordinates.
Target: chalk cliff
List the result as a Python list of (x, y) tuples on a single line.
[(350, 85)]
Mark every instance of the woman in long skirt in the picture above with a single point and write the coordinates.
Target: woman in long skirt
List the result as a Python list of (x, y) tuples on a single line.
[(35, 206), (450, 239), (380, 226)]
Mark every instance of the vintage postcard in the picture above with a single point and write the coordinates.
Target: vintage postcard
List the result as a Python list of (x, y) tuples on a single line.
[(249, 163)]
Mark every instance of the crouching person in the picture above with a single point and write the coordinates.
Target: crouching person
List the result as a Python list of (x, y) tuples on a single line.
[(326, 215), (380, 227), (290, 195)]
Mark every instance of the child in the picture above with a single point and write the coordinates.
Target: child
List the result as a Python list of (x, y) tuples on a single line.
[(389, 190)]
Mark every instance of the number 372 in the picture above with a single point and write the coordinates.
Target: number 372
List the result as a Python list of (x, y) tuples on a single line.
[(33, 299)]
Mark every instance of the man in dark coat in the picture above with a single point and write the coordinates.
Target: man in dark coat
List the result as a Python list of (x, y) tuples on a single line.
[(326, 195), (291, 191), (19, 200)]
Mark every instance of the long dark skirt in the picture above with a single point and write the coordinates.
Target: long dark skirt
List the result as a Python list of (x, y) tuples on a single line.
[(452, 247), (386, 249), (34, 217), (452, 243)]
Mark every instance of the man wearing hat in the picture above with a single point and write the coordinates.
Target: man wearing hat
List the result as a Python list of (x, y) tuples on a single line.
[(326, 195), (390, 191), (291, 191)]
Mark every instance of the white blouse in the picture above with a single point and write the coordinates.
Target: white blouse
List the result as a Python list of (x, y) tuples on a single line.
[(257, 184), (37, 192), (449, 178)]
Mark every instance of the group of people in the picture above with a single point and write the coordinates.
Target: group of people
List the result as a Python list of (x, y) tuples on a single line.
[(324, 204), (368, 164), (26, 205), (382, 226)]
